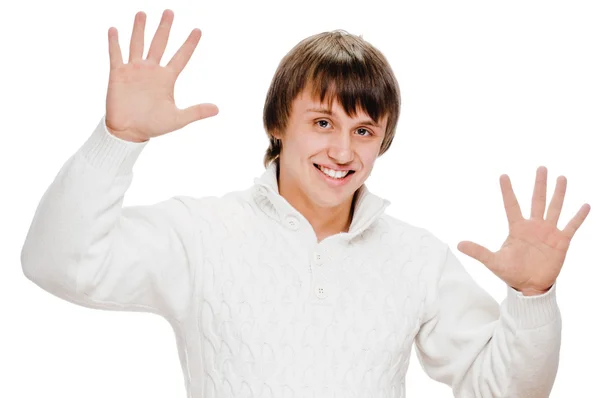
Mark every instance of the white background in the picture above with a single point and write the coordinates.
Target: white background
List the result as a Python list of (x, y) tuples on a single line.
[(487, 88)]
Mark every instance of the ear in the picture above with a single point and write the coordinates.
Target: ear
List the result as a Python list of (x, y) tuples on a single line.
[(276, 134)]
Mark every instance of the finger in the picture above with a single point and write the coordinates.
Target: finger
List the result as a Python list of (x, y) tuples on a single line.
[(558, 198), (576, 221), (511, 205), (161, 37), (476, 251), (183, 55), (136, 45), (538, 201), (196, 112), (114, 50)]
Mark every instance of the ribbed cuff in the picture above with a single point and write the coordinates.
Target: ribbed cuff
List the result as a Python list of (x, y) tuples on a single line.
[(110, 153), (530, 312)]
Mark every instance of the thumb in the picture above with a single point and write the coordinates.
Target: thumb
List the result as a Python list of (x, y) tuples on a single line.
[(196, 112), (476, 251)]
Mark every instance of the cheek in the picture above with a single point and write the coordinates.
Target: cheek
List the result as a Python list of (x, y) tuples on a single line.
[(368, 155), (305, 145)]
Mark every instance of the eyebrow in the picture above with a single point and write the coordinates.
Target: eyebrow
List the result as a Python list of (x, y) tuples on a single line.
[(368, 122)]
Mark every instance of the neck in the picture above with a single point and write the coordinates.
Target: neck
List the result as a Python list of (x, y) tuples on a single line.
[(326, 221)]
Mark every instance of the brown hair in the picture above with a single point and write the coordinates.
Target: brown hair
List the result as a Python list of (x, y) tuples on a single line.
[(334, 65)]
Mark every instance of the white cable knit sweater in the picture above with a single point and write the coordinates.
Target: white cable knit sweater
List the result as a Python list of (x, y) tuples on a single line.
[(261, 309)]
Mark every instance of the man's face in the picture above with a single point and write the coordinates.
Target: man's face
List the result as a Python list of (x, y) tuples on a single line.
[(327, 155)]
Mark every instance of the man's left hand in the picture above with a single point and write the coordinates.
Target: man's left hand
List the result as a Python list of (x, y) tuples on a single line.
[(533, 254)]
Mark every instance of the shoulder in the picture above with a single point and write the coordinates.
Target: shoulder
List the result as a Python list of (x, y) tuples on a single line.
[(421, 241), (236, 206), (407, 230)]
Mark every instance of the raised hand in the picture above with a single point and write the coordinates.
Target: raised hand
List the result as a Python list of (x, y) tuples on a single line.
[(533, 254), (140, 101)]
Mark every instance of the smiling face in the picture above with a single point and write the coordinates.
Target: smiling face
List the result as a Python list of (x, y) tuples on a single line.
[(330, 111), (326, 154)]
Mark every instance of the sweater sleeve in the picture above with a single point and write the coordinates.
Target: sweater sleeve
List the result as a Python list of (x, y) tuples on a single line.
[(85, 247), (482, 349)]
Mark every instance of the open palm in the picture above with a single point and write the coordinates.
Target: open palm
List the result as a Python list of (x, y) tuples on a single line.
[(140, 101), (534, 252)]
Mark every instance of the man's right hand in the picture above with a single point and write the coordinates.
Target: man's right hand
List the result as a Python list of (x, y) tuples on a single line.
[(140, 101)]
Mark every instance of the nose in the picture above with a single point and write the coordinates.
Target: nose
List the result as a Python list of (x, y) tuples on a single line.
[(340, 148)]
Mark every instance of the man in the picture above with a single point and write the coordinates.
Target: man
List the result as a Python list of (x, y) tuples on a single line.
[(300, 285)]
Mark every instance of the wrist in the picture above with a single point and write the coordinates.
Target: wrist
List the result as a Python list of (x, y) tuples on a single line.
[(532, 291), (126, 135)]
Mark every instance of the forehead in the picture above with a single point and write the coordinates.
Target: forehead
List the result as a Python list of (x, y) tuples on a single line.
[(308, 104), (307, 101)]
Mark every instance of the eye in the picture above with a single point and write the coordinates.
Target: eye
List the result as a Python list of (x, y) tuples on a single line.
[(363, 132), (322, 123)]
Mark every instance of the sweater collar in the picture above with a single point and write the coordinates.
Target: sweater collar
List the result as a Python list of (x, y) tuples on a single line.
[(367, 209)]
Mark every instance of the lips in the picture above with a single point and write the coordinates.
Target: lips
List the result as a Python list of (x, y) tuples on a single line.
[(334, 174)]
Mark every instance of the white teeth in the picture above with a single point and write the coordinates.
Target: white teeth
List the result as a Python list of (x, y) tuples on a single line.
[(332, 173)]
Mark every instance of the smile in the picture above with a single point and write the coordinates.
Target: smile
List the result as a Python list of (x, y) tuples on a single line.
[(335, 174)]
